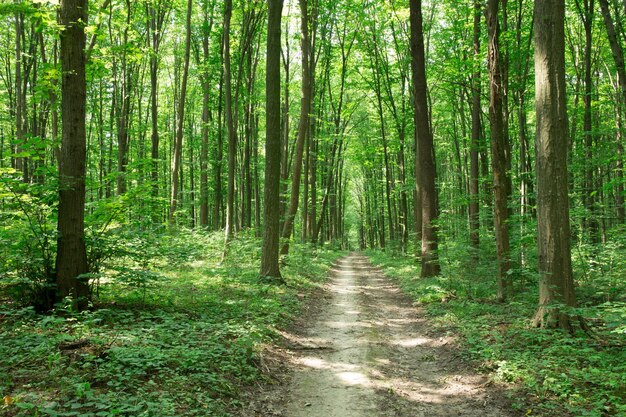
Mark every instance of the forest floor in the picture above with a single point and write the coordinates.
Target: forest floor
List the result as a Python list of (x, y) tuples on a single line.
[(363, 349)]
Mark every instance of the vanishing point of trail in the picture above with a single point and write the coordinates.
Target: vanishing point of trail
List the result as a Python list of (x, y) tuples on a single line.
[(368, 352)]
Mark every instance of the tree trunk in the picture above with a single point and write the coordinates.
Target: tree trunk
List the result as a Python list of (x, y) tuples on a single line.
[(218, 208), (556, 285), (589, 196), (498, 153), (123, 116), (425, 161), (21, 164), (71, 260), (206, 118), (230, 128), (155, 26), (303, 125), (178, 145), (474, 208), (618, 58), (271, 232)]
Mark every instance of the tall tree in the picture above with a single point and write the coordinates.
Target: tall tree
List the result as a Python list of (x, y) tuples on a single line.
[(157, 13), (618, 57), (498, 151), (71, 260), (178, 145), (425, 160), (556, 285), (303, 124), (205, 79), (474, 214), (230, 127), (586, 13), (271, 231)]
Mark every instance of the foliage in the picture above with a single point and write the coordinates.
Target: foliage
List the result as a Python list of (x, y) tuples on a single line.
[(554, 373), (181, 348)]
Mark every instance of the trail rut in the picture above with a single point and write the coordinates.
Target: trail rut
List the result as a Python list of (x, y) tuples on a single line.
[(367, 351)]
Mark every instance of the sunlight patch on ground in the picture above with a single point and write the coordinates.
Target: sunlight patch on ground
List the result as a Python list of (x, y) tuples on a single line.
[(316, 363), (354, 378), (407, 343)]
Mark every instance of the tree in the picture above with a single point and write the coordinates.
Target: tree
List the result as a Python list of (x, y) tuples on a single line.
[(271, 214), (157, 12), (303, 125), (178, 145), (586, 13), (474, 213), (425, 159), (71, 261), (618, 58), (556, 285), (230, 128), (498, 151)]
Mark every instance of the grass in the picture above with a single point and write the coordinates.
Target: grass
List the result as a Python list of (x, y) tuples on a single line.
[(174, 332), (552, 373)]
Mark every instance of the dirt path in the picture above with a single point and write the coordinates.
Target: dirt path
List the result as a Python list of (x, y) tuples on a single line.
[(367, 351)]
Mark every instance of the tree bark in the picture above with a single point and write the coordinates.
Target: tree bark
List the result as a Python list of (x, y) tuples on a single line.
[(71, 260), (589, 196), (303, 124), (271, 232), (206, 118), (178, 145), (618, 58), (230, 128), (474, 212), (425, 161), (156, 19), (498, 152), (556, 285)]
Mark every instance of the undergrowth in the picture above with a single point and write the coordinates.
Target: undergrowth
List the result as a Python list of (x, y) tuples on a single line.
[(173, 331), (552, 373)]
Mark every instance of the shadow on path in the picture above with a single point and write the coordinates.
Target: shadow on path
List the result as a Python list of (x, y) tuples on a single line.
[(367, 351)]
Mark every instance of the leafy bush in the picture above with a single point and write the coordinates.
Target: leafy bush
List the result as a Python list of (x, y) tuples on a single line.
[(177, 343), (559, 374)]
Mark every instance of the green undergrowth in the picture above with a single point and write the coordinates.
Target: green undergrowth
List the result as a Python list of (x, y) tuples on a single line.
[(552, 373), (173, 332)]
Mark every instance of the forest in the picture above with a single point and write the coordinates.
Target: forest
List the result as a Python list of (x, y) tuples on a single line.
[(185, 183)]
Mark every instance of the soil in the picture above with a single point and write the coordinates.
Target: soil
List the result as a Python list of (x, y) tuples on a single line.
[(363, 349)]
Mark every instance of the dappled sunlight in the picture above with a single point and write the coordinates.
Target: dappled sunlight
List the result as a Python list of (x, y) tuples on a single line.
[(354, 378), (372, 347), (408, 343)]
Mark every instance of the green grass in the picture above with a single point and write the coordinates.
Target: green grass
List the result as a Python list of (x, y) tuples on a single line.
[(174, 332), (553, 373)]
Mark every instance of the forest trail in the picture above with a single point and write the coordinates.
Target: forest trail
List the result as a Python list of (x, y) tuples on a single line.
[(365, 350)]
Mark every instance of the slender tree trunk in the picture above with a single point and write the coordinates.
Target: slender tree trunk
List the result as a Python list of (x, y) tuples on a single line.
[(618, 58), (206, 118), (589, 196), (474, 210), (284, 165), (303, 125), (230, 127), (123, 116), (71, 260), (257, 191), (178, 146), (218, 207), (556, 285), (498, 152), (155, 34), (425, 161), (271, 232)]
